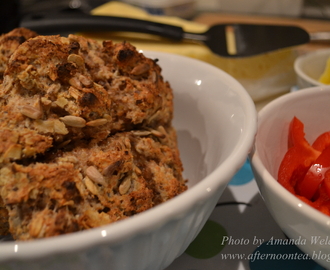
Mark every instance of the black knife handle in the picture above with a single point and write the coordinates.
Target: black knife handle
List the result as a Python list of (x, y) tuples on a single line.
[(57, 23)]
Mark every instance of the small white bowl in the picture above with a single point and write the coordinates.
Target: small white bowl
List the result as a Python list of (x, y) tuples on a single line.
[(298, 220), (216, 123), (309, 67)]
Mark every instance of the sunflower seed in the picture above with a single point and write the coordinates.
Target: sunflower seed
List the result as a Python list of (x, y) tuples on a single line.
[(73, 121), (97, 122), (125, 186), (140, 69), (141, 132), (95, 175)]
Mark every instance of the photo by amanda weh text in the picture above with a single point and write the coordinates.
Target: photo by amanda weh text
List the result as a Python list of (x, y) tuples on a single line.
[(314, 240)]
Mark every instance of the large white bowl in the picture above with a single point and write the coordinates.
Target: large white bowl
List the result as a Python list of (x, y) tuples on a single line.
[(298, 220), (216, 124), (309, 67)]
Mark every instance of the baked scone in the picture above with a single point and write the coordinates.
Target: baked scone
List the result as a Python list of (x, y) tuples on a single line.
[(86, 137), (92, 184), (59, 89)]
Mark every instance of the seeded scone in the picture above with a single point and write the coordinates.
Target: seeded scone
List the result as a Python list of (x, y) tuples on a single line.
[(59, 89), (85, 136), (92, 184)]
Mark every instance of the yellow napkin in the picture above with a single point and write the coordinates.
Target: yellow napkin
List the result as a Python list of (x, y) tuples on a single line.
[(262, 76)]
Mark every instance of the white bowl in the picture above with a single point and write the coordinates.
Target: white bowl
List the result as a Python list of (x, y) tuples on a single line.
[(216, 123), (309, 67), (298, 220)]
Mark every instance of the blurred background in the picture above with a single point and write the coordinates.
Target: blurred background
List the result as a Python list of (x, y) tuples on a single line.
[(303, 8), (263, 76), (11, 11)]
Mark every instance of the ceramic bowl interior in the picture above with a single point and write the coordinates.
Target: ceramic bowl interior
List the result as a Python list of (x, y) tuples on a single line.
[(216, 125), (309, 67), (297, 219)]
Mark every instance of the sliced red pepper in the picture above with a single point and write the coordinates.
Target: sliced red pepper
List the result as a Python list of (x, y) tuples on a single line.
[(296, 133), (322, 141), (295, 165), (315, 175), (299, 157), (305, 168)]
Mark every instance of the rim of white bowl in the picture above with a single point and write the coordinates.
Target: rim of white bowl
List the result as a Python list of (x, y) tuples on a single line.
[(122, 230), (302, 59), (269, 180)]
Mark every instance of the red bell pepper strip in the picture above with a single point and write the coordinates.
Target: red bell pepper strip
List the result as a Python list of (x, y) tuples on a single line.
[(295, 165), (296, 133), (299, 157), (322, 141), (315, 175)]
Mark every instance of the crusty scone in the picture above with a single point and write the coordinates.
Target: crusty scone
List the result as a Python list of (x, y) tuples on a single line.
[(91, 185), (86, 137), (60, 89)]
